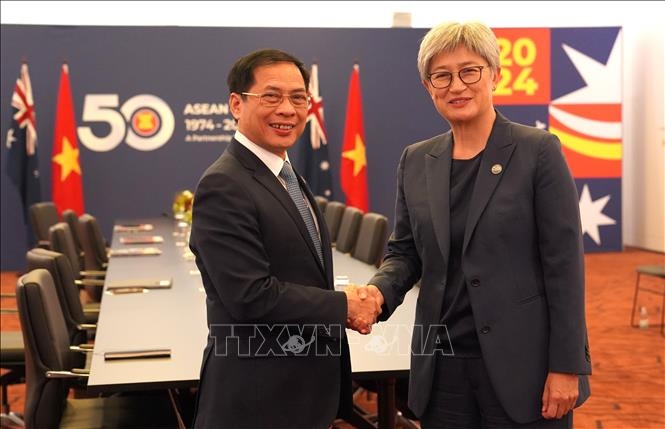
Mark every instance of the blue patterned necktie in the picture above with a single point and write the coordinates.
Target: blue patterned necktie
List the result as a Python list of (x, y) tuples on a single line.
[(296, 194)]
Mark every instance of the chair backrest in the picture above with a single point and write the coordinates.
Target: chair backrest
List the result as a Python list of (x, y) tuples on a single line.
[(46, 348), (371, 238), (63, 242), (94, 244), (42, 216), (60, 269), (72, 219), (348, 229), (322, 202), (334, 213)]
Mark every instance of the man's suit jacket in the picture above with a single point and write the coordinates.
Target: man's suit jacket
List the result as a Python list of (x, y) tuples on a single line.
[(266, 364), (522, 260)]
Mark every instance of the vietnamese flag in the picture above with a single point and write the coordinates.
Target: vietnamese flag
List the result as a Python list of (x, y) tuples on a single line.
[(353, 174), (67, 187)]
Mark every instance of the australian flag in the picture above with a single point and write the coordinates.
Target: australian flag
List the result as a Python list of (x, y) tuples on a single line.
[(314, 163), (21, 141)]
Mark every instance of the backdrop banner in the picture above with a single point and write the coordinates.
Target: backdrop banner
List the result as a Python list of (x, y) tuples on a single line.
[(151, 109)]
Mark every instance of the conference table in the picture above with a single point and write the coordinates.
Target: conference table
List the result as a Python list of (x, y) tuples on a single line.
[(169, 315)]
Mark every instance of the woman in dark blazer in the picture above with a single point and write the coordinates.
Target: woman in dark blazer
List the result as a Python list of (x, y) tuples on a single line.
[(487, 219)]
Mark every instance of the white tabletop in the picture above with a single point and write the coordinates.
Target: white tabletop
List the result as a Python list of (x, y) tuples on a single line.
[(172, 318), (175, 319), (387, 348)]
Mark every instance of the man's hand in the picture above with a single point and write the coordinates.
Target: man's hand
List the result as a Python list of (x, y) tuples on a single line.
[(559, 395), (363, 308), (372, 292)]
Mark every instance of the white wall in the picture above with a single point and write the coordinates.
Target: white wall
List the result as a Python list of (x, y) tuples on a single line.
[(643, 55)]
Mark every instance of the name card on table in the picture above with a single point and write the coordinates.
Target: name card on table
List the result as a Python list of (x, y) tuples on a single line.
[(135, 227), (147, 283), (136, 251), (142, 239)]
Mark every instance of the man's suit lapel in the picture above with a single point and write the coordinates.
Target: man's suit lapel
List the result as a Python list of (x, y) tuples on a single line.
[(492, 167), (264, 176), (437, 171)]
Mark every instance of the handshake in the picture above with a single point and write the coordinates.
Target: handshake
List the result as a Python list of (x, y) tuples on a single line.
[(364, 306)]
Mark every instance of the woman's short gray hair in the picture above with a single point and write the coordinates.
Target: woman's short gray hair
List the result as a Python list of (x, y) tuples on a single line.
[(448, 36)]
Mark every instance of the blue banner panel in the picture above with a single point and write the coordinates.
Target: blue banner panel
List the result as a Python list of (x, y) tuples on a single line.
[(151, 104), (600, 209)]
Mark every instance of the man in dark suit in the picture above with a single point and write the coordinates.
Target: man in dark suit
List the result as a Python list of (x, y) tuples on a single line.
[(487, 219), (277, 356)]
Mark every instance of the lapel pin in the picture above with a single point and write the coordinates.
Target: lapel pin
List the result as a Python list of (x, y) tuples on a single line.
[(496, 169)]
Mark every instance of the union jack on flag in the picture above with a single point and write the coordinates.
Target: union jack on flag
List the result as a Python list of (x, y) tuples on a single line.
[(315, 112), (314, 163), (21, 141)]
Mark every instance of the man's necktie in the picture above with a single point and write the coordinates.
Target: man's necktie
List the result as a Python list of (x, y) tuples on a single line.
[(296, 194)]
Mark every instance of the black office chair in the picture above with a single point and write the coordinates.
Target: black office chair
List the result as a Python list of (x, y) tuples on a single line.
[(371, 238), (50, 374), (333, 215), (63, 242), (347, 236), (42, 216), (71, 218), (322, 202), (80, 318), (94, 244), (61, 272)]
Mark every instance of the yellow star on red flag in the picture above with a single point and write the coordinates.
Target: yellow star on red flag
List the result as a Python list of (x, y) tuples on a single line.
[(68, 159), (357, 155)]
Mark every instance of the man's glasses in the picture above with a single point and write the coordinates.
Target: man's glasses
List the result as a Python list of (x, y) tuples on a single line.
[(274, 99), (468, 75)]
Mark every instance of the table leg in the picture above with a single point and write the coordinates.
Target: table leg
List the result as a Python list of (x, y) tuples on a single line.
[(386, 403)]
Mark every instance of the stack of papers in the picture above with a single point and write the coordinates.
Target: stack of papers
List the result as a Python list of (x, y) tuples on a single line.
[(135, 251), (142, 239), (137, 227)]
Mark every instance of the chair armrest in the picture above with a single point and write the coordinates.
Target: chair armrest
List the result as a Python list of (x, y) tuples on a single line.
[(93, 273), (86, 326), (81, 348)]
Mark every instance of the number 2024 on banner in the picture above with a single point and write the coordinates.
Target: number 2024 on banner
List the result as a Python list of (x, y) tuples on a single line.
[(525, 66)]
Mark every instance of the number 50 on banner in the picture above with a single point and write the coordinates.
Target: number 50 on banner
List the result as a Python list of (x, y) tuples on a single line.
[(525, 66)]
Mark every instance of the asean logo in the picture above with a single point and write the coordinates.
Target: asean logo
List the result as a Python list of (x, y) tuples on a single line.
[(145, 122)]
